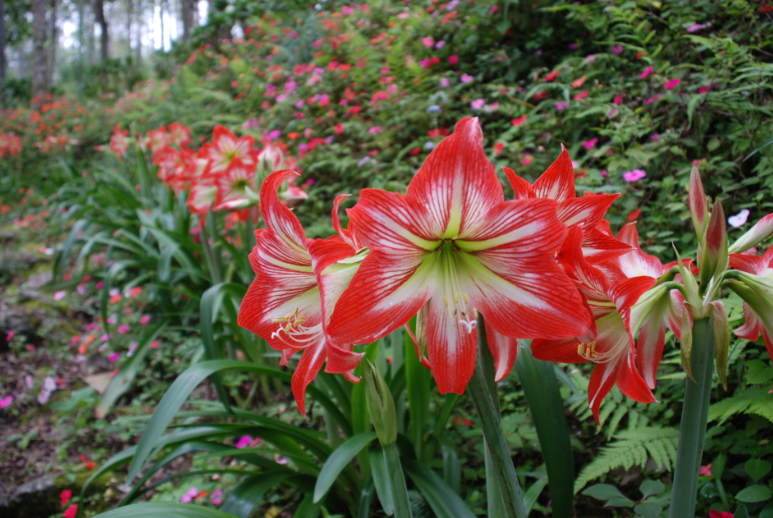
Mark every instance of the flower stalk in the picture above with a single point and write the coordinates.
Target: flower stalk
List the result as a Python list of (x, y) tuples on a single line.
[(496, 444), (695, 412)]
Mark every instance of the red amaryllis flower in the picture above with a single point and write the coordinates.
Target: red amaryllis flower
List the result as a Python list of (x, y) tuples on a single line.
[(757, 285), (179, 134), (235, 187), (297, 284), (203, 195), (663, 307), (557, 183), (158, 139), (612, 348), (119, 143), (452, 242), (226, 147)]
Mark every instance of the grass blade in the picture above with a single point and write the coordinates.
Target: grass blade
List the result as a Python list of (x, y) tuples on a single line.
[(339, 459)]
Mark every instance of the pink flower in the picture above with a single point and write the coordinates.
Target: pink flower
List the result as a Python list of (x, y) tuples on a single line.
[(7, 400), (520, 120), (527, 159), (466, 78), (697, 27), (647, 72), (145, 319), (589, 144), (440, 44), (618, 99), (428, 42), (453, 59), (217, 497), (190, 495), (10, 336), (706, 471), (617, 49), (634, 176), (403, 16), (245, 440), (603, 172), (668, 85), (375, 129), (59, 295), (105, 337), (123, 329), (720, 514), (114, 357), (99, 285), (477, 104), (704, 89), (71, 511), (560, 105), (739, 219), (445, 82)]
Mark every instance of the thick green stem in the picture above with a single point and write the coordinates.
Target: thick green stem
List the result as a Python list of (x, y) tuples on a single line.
[(694, 417), (496, 444), (397, 481)]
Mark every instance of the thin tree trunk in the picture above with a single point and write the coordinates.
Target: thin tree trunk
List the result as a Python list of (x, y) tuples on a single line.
[(188, 9), (3, 62), (104, 38), (40, 56), (161, 17), (81, 36), (139, 22), (129, 17), (53, 44)]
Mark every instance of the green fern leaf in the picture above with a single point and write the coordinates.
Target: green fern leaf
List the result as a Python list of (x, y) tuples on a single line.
[(753, 401), (632, 448)]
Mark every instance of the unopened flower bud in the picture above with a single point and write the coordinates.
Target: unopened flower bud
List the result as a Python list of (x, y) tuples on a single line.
[(380, 405)]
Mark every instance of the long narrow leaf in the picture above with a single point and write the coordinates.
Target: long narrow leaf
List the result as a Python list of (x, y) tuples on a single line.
[(442, 499), (338, 460), (540, 385), (381, 481), (250, 493), (166, 510)]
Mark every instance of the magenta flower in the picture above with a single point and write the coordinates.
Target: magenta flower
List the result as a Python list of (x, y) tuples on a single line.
[(617, 49), (190, 495), (603, 172), (653, 99), (123, 329), (634, 176), (590, 144), (217, 497), (697, 27), (145, 319), (10, 336), (440, 44), (560, 105), (466, 78), (647, 72), (477, 104), (445, 82), (618, 99), (668, 85), (243, 441), (114, 357), (7, 400), (453, 60), (275, 134), (375, 129), (428, 42)]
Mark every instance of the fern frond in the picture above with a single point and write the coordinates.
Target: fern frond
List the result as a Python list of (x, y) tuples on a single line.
[(633, 448), (753, 401)]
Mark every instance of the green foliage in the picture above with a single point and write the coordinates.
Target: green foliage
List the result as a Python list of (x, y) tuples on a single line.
[(632, 448), (756, 401)]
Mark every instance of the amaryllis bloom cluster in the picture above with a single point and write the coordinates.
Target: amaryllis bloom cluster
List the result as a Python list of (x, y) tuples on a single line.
[(221, 175), (10, 145), (544, 266)]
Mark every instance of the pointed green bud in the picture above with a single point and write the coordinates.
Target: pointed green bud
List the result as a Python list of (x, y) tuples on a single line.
[(686, 341), (715, 254), (759, 232), (699, 209), (380, 405), (721, 339), (691, 289)]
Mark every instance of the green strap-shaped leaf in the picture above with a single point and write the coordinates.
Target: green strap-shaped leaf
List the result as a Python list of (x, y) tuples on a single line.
[(165, 510), (531, 495), (540, 385), (308, 509), (249, 494), (121, 382), (366, 499), (441, 498), (338, 460), (381, 481), (183, 386)]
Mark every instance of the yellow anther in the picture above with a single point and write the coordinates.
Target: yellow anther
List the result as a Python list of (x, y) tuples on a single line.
[(466, 298), (445, 301)]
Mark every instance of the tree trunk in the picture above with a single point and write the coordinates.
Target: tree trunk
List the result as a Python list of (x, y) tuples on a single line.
[(104, 38), (188, 10), (3, 62), (129, 16), (40, 55), (52, 46)]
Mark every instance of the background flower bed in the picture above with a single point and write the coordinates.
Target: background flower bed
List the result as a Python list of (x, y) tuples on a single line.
[(637, 91)]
